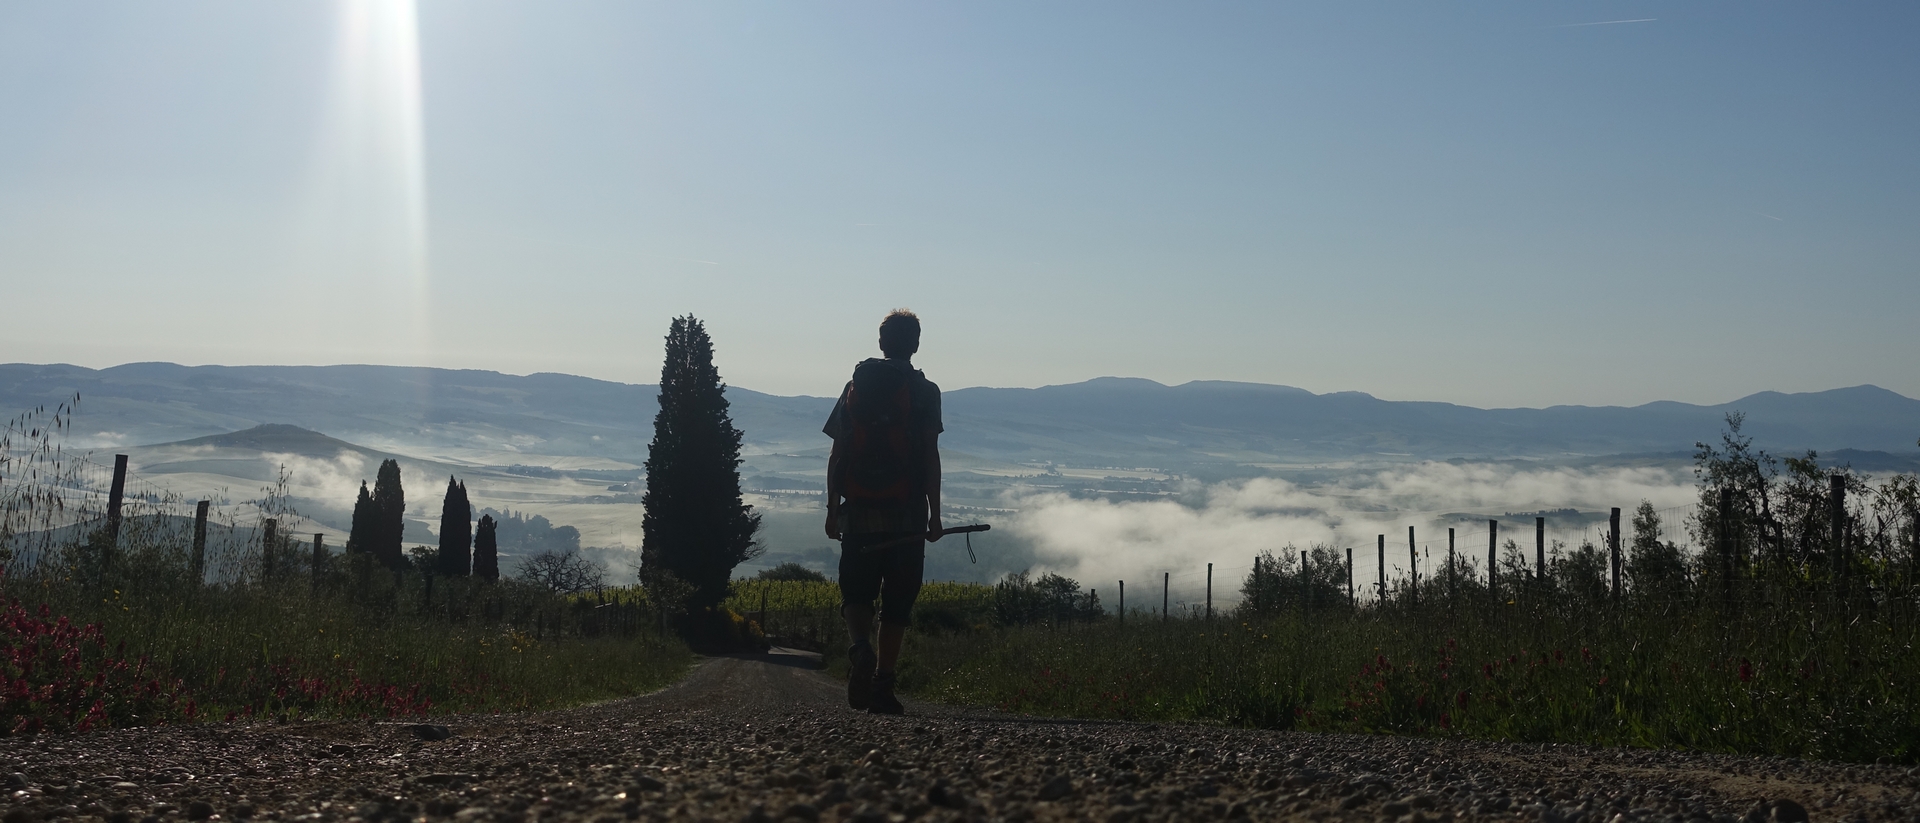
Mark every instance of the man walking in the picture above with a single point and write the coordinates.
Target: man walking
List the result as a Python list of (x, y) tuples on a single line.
[(883, 503)]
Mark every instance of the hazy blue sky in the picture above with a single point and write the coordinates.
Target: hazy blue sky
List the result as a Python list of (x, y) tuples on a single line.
[(1487, 203)]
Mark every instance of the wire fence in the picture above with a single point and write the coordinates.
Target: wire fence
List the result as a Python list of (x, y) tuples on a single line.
[(1510, 550), (60, 515), (70, 520)]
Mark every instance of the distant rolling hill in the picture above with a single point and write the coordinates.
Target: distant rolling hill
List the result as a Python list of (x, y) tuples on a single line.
[(489, 417), (550, 414), (240, 454), (1254, 423), (279, 438)]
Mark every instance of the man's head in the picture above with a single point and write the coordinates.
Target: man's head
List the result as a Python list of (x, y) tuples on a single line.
[(900, 334)]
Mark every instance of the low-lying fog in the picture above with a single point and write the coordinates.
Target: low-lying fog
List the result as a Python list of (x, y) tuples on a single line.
[(1175, 528), (1099, 542)]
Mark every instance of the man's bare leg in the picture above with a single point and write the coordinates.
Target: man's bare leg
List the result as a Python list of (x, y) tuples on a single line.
[(889, 649), (860, 658), (860, 624), (860, 628), (882, 700)]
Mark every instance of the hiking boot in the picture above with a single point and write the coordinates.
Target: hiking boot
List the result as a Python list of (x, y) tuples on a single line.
[(882, 699), (860, 663)]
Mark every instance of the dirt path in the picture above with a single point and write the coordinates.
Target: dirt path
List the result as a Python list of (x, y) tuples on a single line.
[(767, 738)]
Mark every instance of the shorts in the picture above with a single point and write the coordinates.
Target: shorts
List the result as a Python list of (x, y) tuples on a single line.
[(891, 574)]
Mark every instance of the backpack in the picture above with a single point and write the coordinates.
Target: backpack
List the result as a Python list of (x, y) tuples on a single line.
[(881, 465)]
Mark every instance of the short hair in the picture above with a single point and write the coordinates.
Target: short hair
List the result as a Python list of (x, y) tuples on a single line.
[(900, 333)]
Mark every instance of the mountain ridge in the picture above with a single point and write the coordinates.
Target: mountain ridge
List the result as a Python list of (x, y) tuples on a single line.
[(1103, 421)]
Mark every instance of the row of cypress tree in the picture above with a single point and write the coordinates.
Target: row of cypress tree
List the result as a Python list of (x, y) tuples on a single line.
[(378, 518), (463, 550), (696, 527), (378, 528)]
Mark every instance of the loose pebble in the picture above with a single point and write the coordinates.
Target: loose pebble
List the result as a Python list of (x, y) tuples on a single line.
[(746, 740)]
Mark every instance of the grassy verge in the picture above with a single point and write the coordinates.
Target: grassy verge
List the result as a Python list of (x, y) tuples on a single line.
[(1796, 683), (1787, 669), (806, 614), (80, 658), (122, 603), (1783, 665)]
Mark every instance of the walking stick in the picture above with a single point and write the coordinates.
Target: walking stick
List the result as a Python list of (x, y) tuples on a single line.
[(908, 538)]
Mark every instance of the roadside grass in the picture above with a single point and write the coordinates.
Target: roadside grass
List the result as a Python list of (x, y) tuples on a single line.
[(806, 614), (1782, 668), (953, 601), (118, 607), (222, 653), (1794, 682)]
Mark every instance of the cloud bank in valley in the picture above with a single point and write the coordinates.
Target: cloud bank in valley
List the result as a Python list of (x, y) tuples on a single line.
[(337, 478), (1100, 542)]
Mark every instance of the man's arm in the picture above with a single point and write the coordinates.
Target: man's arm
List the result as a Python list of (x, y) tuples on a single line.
[(932, 461), (836, 428), (833, 491)]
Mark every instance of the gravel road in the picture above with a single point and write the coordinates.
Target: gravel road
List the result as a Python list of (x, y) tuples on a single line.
[(767, 737)]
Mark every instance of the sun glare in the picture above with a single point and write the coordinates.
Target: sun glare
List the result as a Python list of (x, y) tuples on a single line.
[(370, 190)]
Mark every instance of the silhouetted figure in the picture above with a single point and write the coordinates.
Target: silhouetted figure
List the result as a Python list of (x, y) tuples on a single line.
[(883, 503)]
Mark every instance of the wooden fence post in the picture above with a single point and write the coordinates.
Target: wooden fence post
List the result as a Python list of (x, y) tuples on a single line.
[(1306, 583), (1493, 557), (1413, 569), (1613, 540), (1837, 517), (1123, 602), (200, 542), (1165, 587), (1380, 576), (1539, 548), (1450, 568), (267, 538), (319, 558), (1209, 591), (1453, 582), (1350, 603), (116, 495)]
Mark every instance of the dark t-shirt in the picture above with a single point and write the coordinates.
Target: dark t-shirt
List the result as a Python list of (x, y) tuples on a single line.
[(926, 406)]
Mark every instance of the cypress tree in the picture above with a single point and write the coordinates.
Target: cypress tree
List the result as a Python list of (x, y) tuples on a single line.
[(695, 525), (390, 502), (366, 522), (456, 531), (486, 553)]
